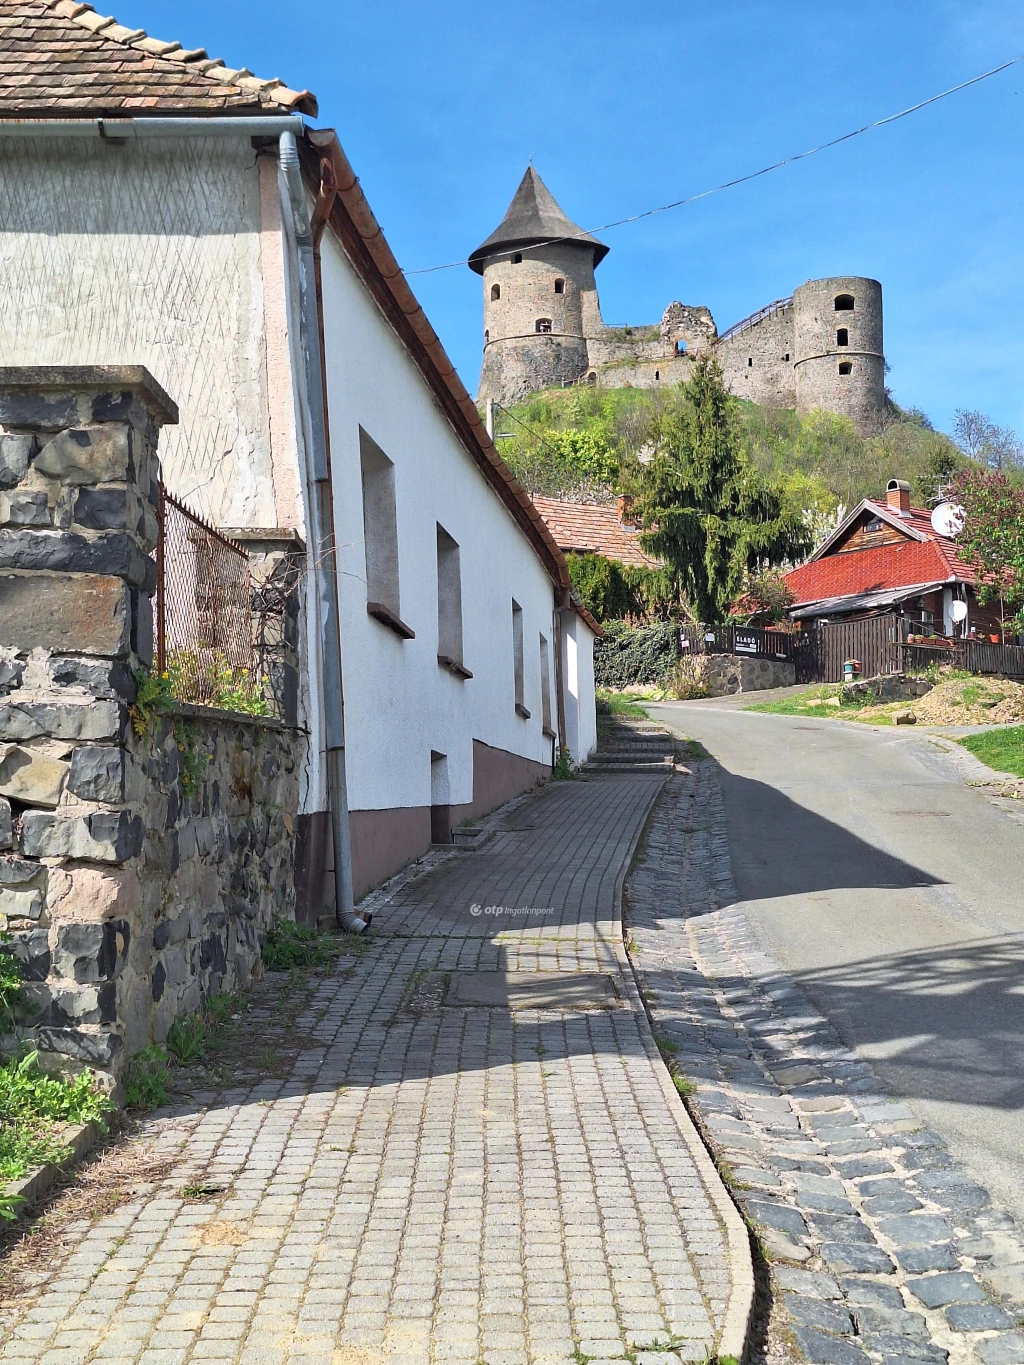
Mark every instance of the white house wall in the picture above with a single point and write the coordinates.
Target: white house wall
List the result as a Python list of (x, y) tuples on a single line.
[(148, 252), (399, 703), (578, 674)]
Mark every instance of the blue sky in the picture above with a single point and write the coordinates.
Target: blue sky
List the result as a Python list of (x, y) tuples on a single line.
[(622, 107)]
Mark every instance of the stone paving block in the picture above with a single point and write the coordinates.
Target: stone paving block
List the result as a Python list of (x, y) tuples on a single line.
[(820, 1349), (935, 1291), (1004, 1350)]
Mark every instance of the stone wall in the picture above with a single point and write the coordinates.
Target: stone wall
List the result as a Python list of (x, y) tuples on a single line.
[(143, 849), (727, 674), (758, 363)]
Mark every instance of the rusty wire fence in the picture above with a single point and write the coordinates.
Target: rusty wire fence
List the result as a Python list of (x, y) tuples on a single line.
[(203, 627)]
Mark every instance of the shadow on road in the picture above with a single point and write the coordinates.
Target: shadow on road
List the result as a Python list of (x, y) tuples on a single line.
[(788, 850), (945, 1023)]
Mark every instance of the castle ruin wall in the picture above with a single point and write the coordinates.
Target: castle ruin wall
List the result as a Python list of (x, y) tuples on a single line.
[(757, 363)]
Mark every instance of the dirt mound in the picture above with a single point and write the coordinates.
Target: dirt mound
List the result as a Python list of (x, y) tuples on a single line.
[(972, 701)]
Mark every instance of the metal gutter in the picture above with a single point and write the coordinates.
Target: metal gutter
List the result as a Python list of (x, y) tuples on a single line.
[(129, 129)]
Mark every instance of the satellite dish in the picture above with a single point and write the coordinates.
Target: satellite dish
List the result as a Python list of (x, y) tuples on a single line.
[(958, 611), (948, 520)]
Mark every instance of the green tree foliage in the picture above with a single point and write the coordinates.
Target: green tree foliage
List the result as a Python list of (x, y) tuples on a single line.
[(821, 460), (706, 512), (610, 590), (765, 597), (993, 535)]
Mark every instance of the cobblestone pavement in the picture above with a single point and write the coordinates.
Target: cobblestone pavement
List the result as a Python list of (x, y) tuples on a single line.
[(882, 1247), (509, 1178)]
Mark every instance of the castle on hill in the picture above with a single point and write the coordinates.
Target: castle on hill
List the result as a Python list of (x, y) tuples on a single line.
[(819, 348)]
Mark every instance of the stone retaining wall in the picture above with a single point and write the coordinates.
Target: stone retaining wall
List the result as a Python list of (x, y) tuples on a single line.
[(729, 673), (143, 851)]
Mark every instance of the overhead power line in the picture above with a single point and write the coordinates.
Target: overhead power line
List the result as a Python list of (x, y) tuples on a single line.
[(765, 170)]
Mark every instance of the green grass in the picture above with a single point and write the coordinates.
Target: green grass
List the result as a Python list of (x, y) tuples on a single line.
[(1001, 749), (800, 704), (615, 704)]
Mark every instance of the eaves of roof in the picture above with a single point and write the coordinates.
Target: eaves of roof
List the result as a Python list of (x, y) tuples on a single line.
[(353, 224)]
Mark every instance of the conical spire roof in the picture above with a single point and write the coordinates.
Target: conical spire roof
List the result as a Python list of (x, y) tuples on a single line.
[(533, 216)]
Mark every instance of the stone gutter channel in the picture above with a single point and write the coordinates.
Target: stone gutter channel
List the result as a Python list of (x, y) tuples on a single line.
[(881, 1247)]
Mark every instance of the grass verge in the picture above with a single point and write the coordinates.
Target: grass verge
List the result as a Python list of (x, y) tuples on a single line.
[(1002, 750), (619, 704)]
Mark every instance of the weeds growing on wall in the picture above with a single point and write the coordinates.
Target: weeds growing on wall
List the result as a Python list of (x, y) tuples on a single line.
[(188, 738), (564, 769)]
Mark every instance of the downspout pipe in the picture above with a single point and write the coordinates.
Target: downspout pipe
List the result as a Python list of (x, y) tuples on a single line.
[(325, 569)]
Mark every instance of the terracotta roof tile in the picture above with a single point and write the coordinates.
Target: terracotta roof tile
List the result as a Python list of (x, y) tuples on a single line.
[(589, 529), (882, 566), (58, 57)]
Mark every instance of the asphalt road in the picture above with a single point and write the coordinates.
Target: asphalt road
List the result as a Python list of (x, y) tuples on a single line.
[(894, 893)]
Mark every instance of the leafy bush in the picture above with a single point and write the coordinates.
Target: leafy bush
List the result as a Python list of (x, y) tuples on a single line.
[(564, 769), (629, 656), (145, 1079), (689, 679), (291, 945)]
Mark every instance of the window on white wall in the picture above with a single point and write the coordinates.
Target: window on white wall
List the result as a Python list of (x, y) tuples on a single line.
[(449, 605), (545, 687), (380, 536), (517, 656)]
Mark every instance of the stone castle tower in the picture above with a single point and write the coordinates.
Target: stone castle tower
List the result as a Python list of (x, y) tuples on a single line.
[(820, 348)]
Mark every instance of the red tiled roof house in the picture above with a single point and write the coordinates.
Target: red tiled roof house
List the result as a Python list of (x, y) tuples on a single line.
[(886, 556)]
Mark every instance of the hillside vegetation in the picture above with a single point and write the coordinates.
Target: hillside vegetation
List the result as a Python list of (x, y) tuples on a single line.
[(573, 443)]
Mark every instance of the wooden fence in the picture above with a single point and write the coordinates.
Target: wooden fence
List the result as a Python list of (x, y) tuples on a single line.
[(880, 644)]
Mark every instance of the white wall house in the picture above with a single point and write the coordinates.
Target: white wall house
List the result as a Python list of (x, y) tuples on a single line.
[(164, 220)]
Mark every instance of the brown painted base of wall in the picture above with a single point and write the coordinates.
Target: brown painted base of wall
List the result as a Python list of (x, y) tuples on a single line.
[(383, 841)]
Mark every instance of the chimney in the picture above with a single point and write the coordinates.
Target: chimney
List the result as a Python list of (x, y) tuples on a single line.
[(625, 506), (897, 495)]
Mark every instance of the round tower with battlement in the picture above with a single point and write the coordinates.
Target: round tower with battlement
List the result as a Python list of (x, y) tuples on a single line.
[(540, 297), (838, 355)]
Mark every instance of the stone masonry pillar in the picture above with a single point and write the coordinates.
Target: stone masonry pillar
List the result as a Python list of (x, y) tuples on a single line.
[(78, 485)]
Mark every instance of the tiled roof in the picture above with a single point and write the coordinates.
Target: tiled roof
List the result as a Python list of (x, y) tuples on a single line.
[(585, 528), (882, 566), (59, 58), (919, 520)]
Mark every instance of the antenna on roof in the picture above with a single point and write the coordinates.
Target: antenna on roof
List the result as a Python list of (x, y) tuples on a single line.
[(948, 520)]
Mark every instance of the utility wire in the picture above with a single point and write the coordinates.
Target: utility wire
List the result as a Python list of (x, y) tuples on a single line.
[(755, 175)]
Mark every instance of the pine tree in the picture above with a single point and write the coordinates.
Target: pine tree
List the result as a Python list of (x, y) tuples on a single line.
[(703, 509)]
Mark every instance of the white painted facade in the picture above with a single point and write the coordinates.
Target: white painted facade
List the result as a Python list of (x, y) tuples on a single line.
[(578, 671), (149, 253), (177, 254), (400, 703)]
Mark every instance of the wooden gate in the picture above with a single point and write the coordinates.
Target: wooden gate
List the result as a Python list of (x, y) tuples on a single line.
[(873, 642)]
